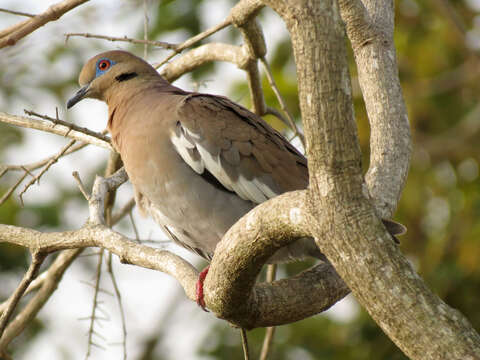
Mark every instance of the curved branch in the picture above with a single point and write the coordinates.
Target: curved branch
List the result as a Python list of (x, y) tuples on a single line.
[(370, 30), (274, 303), (380, 277), (239, 257), (254, 45), (203, 54)]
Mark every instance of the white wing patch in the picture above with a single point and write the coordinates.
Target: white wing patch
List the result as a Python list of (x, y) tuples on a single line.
[(224, 164)]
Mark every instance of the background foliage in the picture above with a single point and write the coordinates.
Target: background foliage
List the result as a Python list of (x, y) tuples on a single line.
[(437, 50)]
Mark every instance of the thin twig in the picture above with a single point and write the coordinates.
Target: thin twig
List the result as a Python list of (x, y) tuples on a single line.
[(161, 44), (47, 283), (199, 37), (71, 126), (281, 101), (246, 352), (63, 130), (269, 334), (91, 331), (14, 12), (126, 209), (28, 168), (134, 226), (145, 28), (12, 188), (37, 259), (35, 165), (118, 296), (52, 161), (82, 188)]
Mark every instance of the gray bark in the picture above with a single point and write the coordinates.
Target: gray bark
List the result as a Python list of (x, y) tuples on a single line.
[(361, 251)]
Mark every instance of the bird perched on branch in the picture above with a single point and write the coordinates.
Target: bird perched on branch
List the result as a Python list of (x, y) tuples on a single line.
[(198, 162)]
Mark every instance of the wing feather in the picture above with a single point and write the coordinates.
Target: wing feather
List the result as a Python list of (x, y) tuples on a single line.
[(237, 147)]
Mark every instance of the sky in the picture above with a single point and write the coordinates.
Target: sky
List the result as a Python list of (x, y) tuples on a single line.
[(154, 302)]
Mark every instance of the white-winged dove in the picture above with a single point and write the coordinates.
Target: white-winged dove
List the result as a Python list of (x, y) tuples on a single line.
[(198, 162)]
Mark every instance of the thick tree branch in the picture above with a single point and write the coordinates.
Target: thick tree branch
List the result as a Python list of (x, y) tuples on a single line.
[(239, 257), (370, 30), (361, 251)]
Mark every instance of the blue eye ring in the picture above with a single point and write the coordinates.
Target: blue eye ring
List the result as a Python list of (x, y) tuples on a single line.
[(103, 65)]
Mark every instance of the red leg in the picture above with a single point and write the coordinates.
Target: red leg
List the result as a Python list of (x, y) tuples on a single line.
[(199, 290)]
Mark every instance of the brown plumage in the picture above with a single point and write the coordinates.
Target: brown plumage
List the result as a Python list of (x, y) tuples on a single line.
[(198, 162)]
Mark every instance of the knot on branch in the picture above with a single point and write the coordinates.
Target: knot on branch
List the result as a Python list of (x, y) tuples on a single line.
[(96, 201), (244, 11)]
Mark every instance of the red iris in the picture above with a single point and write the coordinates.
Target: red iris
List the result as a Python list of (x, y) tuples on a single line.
[(103, 65)]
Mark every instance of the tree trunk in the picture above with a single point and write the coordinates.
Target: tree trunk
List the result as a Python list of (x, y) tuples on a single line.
[(361, 251)]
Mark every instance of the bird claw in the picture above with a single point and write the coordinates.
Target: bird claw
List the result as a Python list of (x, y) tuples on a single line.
[(199, 288)]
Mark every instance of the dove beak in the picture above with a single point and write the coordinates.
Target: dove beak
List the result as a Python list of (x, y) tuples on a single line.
[(80, 95)]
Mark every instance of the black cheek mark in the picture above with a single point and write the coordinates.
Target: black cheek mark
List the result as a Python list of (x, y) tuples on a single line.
[(126, 76)]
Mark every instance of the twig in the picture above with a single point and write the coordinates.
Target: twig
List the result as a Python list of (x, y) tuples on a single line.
[(246, 352), (13, 12), (27, 168), (162, 44), (118, 296), (35, 165), (239, 14), (48, 285), (71, 126), (199, 37), (281, 101), (269, 334), (63, 130), (37, 259), (52, 161), (12, 188), (82, 188), (135, 230), (126, 209), (54, 12), (41, 279), (145, 28), (91, 331)]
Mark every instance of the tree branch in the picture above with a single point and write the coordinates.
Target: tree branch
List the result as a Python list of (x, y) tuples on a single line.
[(48, 286), (161, 44), (37, 260), (380, 277), (370, 30), (54, 12), (59, 129), (239, 257), (203, 54)]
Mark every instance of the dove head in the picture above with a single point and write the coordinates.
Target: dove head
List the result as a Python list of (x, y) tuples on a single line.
[(108, 72)]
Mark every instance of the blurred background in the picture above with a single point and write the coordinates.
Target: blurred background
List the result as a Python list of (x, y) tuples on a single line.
[(438, 46)]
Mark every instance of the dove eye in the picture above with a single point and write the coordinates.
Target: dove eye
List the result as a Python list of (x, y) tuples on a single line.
[(103, 65)]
